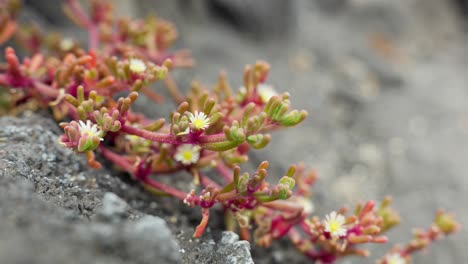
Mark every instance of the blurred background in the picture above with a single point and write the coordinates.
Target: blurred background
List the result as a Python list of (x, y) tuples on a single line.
[(385, 84)]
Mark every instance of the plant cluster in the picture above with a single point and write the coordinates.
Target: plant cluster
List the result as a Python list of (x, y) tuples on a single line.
[(92, 91)]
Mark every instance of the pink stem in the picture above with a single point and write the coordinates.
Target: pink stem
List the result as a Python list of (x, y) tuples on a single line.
[(225, 173), (220, 137), (202, 226), (117, 159), (153, 136), (164, 188), (122, 162), (284, 206), (3, 80), (46, 90), (93, 39), (78, 11), (207, 181), (226, 196), (298, 241)]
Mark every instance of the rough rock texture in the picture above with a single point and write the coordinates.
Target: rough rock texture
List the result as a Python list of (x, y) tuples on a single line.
[(54, 209), (224, 249), (384, 82)]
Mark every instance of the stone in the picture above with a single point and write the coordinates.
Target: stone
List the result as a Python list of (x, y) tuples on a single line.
[(113, 208)]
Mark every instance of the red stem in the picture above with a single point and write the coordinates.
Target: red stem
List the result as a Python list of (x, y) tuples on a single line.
[(202, 226), (122, 162), (78, 11), (225, 173), (220, 137), (299, 242), (153, 136), (93, 39), (164, 188), (46, 90), (3, 80), (207, 181), (226, 196), (173, 90), (284, 206), (117, 159)]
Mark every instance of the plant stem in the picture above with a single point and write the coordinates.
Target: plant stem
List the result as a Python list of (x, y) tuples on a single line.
[(202, 226), (173, 90), (152, 95), (226, 196), (117, 159), (153, 136), (164, 188), (79, 13), (207, 181), (122, 162), (3, 80), (46, 90), (224, 171), (93, 39), (284, 206), (214, 138)]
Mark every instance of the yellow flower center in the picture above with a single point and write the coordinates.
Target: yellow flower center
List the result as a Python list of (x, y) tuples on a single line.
[(187, 155), (334, 226), (198, 123)]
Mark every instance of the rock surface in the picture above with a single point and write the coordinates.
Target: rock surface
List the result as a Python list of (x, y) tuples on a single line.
[(225, 249), (54, 209)]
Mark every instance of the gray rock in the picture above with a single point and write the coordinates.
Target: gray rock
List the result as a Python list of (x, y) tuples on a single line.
[(224, 249), (261, 18), (43, 203), (113, 208), (150, 239), (233, 250)]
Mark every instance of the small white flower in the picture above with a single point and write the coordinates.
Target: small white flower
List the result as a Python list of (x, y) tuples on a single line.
[(66, 44), (266, 92), (187, 154), (334, 224), (137, 65), (89, 129), (199, 120), (189, 198), (395, 258), (306, 202)]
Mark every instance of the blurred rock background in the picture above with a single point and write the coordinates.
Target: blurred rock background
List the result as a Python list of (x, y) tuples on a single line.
[(385, 84)]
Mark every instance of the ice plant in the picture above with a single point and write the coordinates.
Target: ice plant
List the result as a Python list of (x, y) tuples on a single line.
[(395, 258), (137, 65), (187, 154), (89, 135), (334, 225), (199, 120), (94, 88), (266, 92)]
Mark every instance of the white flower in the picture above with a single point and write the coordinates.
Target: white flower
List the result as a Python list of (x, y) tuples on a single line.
[(137, 65), (90, 129), (190, 198), (334, 224), (395, 258), (199, 120), (306, 202), (187, 154), (266, 92), (66, 44)]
